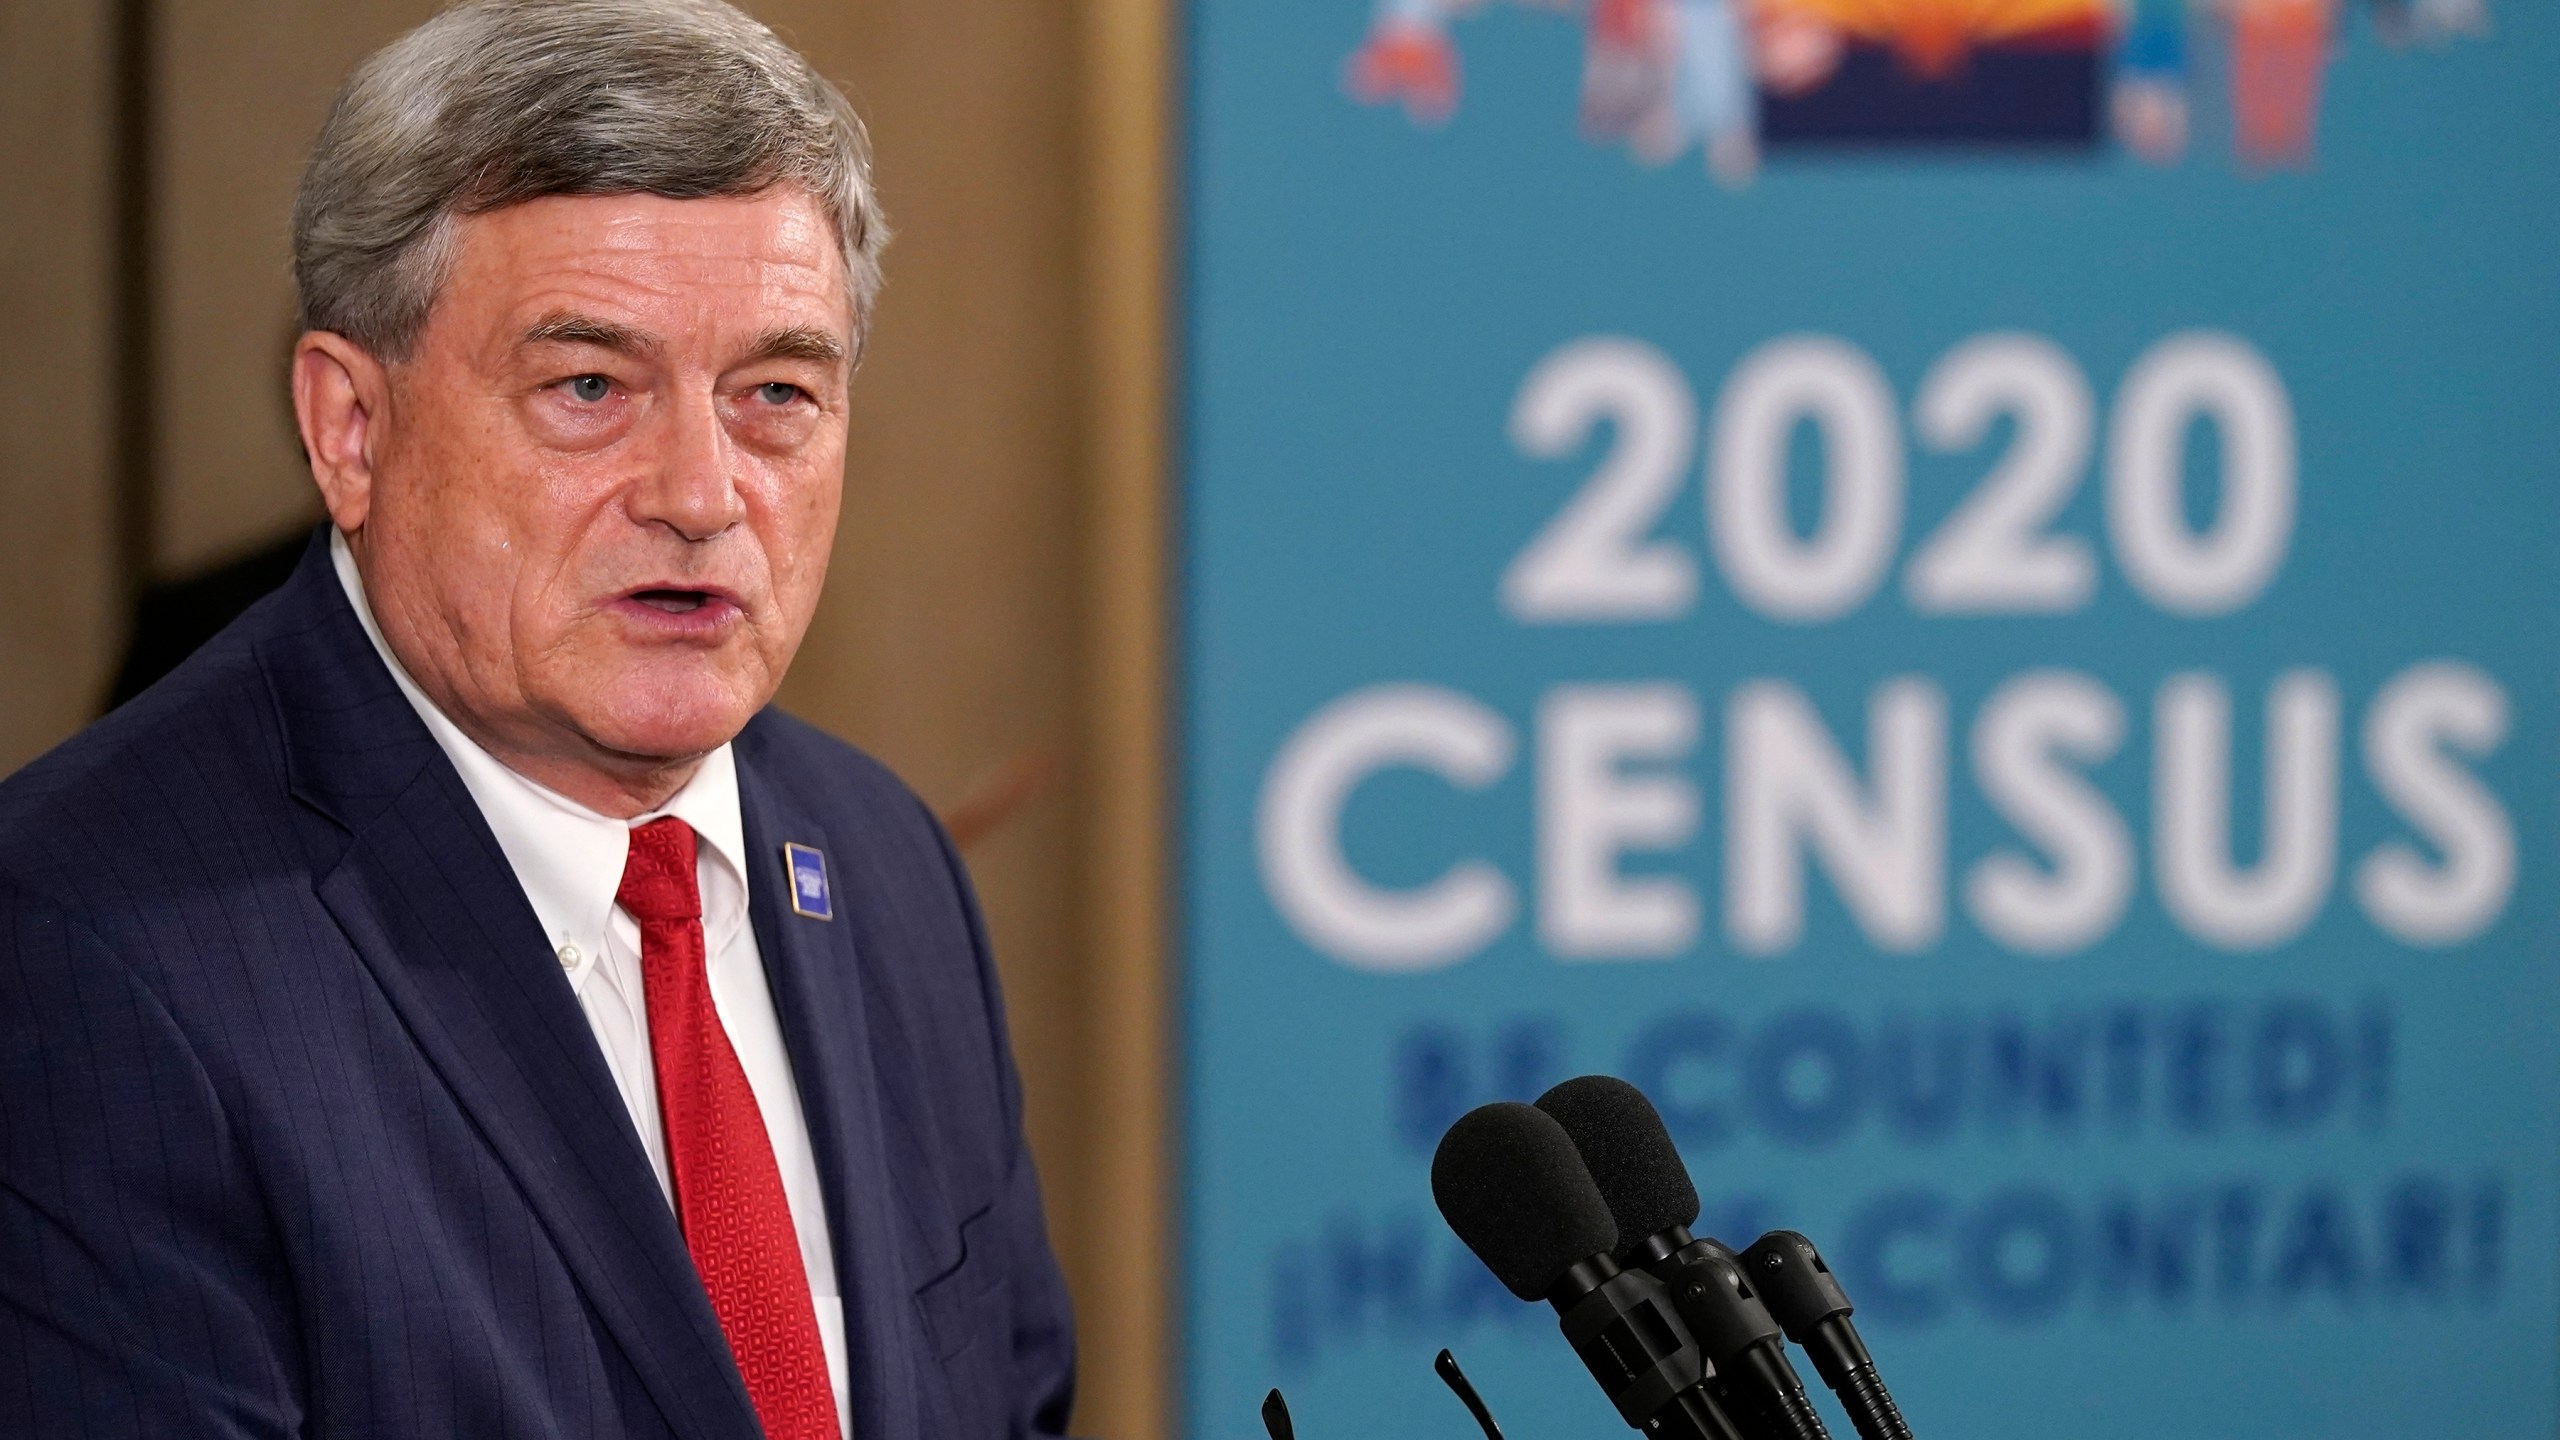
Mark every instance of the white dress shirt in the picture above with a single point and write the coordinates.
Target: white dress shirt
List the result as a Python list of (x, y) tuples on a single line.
[(569, 860)]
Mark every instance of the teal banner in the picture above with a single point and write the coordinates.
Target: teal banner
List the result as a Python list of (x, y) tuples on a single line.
[(1961, 590)]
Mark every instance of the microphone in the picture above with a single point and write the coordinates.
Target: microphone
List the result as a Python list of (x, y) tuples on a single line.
[(1446, 1365), (1801, 1292), (1652, 1203), (1508, 1181)]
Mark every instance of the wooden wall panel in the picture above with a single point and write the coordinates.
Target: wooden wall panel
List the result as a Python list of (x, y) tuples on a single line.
[(1125, 289), (243, 85), (58, 394)]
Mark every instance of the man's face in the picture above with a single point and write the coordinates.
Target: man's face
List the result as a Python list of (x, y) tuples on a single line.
[(606, 481)]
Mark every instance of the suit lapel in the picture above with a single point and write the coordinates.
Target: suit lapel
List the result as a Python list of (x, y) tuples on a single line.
[(828, 1023), (427, 899)]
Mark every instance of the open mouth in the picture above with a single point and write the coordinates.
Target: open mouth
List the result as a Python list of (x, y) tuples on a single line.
[(674, 602)]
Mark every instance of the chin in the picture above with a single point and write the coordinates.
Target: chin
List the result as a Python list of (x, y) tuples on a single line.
[(669, 721)]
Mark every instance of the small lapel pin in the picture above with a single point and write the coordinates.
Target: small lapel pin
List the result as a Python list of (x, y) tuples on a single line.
[(806, 870)]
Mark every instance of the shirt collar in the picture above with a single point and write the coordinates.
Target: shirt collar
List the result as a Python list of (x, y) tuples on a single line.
[(568, 857)]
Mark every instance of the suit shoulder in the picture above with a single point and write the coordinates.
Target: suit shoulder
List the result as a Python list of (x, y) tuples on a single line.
[(783, 745), (860, 810), (115, 798)]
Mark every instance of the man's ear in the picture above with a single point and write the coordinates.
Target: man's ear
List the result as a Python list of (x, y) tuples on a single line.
[(340, 392)]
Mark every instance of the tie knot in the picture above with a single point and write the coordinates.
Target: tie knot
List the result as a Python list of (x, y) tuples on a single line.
[(657, 880)]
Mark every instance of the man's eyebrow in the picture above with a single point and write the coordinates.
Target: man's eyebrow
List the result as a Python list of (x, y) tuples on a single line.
[(799, 342), (586, 330)]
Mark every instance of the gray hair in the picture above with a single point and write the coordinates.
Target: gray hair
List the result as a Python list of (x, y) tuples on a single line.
[(496, 102)]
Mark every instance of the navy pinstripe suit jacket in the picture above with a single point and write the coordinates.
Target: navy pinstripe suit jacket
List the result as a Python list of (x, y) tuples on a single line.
[(302, 1132)]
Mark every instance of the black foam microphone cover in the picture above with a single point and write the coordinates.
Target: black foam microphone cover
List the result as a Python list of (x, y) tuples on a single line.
[(1510, 1183), (1628, 1154)]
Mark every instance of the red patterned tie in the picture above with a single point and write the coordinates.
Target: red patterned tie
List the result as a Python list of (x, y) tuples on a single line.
[(728, 1188)]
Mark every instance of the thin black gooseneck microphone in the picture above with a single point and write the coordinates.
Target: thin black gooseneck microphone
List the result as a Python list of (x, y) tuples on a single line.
[(1652, 1201), (1446, 1366), (1509, 1182), (1275, 1417), (1809, 1302)]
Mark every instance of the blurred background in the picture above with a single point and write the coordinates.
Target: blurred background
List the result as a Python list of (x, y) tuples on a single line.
[(1960, 589)]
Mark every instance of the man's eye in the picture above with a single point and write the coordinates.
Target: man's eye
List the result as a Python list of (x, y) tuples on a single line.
[(775, 392), (590, 388)]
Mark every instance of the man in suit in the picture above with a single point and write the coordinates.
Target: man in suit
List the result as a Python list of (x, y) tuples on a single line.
[(452, 1003)]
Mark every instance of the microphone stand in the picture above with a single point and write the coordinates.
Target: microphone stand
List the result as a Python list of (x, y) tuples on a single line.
[(1800, 1291), (1621, 1323), (1741, 1340)]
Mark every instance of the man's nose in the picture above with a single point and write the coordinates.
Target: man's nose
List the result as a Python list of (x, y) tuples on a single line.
[(691, 488)]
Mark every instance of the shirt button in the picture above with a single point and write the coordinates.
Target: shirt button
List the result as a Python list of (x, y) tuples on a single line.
[(569, 957)]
